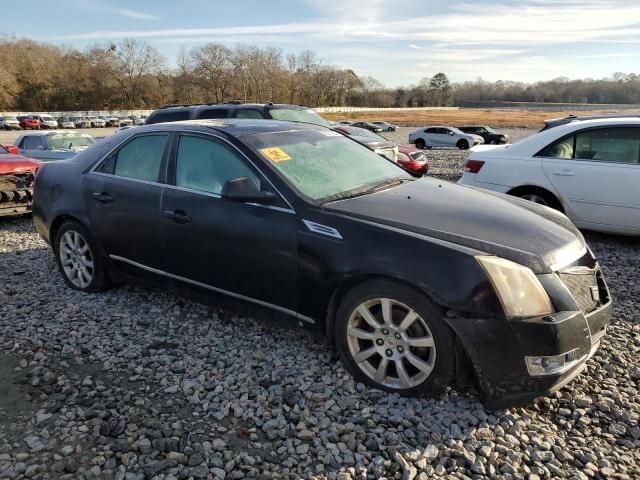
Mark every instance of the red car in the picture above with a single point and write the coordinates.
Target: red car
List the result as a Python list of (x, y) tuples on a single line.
[(17, 175), (30, 122), (413, 159)]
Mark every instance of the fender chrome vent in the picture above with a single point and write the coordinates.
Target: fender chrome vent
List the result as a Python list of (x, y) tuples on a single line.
[(322, 229)]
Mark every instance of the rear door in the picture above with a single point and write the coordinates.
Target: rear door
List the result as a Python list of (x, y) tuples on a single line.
[(243, 249), (597, 171), (122, 195)]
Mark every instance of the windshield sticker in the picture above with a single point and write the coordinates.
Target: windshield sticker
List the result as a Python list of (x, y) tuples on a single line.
[(275, 154)]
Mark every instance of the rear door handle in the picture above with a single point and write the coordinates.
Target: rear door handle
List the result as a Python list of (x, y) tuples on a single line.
[(564, 173), (103, 197), (178, 216)]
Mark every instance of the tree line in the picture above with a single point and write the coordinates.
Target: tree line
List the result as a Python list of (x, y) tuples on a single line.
[(130, 74)]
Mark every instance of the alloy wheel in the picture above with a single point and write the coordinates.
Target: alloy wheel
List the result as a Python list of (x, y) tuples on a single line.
[(532, 197), (391, 344), (76, 258)]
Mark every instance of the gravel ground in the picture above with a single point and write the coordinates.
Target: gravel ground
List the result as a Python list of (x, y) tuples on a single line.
[(139, 383)]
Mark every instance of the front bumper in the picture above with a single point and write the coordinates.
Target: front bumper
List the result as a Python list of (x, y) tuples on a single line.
[(498, 348)]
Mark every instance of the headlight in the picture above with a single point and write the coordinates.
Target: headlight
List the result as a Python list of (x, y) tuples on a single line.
[(520, 292)]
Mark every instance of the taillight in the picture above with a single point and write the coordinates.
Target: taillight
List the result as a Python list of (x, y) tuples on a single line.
[(473, 166)]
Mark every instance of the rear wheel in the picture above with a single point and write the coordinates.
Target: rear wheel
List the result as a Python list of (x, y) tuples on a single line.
[(80, 264), (462, 144), (420, 143), (541, 197), (392, 337)]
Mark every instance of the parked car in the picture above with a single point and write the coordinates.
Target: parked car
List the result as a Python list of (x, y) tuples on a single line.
[(368, 126), (81, 122), (125, 121), (488, 134), (345, 122), (137, 120), (378, 144), (443, 137), (53, 144), (17, 175), (257, 111), (66, 122), (97, 122), (386, 126), (590, 170), (46, 121), (408, 277), (413, 159), (9, 122), (29, 122), (110, 121)]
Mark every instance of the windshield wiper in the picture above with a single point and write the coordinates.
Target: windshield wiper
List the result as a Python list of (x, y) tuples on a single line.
[(358, 192)]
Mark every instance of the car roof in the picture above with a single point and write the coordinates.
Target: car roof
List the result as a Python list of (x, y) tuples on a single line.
[(555, 122), (233, 126), (42, 133), (199, 106)]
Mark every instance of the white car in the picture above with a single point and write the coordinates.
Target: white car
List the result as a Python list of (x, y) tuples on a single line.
[(47, 121), (97, 122), (589, 170), (428, 137), (9, 122), (66, 122)]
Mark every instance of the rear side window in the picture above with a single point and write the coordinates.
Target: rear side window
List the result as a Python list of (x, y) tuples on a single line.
[(169, 116), (249, 113), (563, 148), (609, 145), (214, 113), (203, 164), (139, 159), (32, 143)]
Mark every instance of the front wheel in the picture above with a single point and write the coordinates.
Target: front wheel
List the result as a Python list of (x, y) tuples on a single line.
[(393, 338), (462, 144), (78, 259), (420, 143)]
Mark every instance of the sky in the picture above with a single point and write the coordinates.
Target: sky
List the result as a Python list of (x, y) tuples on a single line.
[(398, 42)]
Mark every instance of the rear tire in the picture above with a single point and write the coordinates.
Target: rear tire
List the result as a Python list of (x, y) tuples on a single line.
[(399, 344), (462, 144), (79, 260), (540, 197), (420, 143)]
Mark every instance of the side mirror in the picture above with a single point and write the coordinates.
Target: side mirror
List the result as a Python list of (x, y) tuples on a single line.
[(12, 149), (245, 189), (450, 132)]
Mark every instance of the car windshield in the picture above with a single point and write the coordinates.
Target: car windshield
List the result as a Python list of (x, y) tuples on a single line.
[(8, 118), (64, 141), (46, 118), (363, 132), (324, 165), (490, 130), (297, 115)]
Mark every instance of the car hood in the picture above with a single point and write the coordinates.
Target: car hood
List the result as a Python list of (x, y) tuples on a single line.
[(17, 164), (372, 142), (529, 234)]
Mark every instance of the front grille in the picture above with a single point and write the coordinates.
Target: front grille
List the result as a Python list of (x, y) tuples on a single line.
[(584, 287)]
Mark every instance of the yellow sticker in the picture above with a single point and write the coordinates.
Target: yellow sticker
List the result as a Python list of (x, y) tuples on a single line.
[(275, 154)]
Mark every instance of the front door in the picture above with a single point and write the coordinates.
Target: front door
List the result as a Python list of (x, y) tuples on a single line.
[(244, 249), (123, 203), (597, 171)]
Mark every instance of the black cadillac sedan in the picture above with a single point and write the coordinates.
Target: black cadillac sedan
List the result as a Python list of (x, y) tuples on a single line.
[(417, 281)]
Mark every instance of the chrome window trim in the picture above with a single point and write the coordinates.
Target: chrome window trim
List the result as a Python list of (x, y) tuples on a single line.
[(273, 306), (93, 171)]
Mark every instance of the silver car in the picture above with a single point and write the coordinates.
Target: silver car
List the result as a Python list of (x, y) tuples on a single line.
[(428, 137)]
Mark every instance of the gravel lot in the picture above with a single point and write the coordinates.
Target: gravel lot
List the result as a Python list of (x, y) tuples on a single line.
[(139, 383)]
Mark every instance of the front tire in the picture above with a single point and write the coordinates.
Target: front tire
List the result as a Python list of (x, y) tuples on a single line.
[(393, 338), (462, 144), (80, 263)]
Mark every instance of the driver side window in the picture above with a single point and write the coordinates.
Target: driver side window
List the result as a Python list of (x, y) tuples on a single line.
[(205, 165)]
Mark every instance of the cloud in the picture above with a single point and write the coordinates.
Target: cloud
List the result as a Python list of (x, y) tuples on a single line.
[(135, 14)]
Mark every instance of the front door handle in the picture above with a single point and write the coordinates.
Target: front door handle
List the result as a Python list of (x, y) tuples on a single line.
[(103, 197), (178, 216), (564, 173)]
